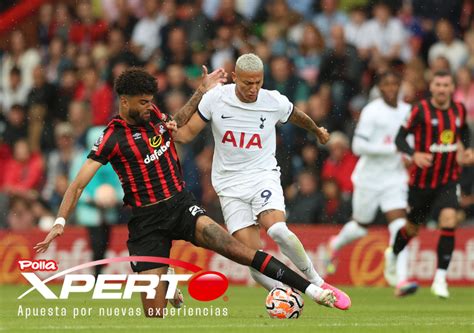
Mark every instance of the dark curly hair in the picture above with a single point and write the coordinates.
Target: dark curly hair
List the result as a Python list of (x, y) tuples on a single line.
[(135, 81)]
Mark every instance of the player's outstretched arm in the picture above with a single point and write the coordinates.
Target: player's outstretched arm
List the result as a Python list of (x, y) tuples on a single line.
[(72, 195), (301, 119), (209, 81), (189, 131)]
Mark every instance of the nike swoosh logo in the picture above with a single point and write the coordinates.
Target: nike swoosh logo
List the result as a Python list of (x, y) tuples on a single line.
[(226, 117)]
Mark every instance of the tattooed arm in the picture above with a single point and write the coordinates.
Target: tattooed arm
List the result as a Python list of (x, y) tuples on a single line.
[(209, 81), (301, 119)]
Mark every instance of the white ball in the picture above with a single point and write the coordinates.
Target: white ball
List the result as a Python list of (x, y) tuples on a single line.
[(284, 303)]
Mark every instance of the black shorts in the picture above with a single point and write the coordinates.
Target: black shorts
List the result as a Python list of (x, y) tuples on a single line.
[(421, 202), (152, 228)]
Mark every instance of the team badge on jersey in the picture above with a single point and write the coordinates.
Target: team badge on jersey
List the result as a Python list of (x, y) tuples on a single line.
[(155, 141), (262, 125)]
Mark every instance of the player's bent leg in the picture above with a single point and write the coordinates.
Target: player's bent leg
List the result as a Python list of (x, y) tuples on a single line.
[(447, 225), (273, 221), (153, 308), (250, 236), (350, 232), (292, 247), (210, 235)]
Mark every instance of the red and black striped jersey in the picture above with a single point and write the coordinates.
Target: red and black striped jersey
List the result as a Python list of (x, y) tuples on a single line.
[(144, 158), (436, 131)]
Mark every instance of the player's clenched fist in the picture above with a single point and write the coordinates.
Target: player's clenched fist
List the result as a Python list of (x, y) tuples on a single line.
[(323, 135)]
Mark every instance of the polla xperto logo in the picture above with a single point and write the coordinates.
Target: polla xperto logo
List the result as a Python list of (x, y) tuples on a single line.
[(204, 286)]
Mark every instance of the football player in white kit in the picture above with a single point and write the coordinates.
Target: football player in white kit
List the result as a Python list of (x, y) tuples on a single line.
[(380, 178), (245, 173)]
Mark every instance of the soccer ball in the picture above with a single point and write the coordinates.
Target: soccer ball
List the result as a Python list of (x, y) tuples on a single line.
[(284, 303)]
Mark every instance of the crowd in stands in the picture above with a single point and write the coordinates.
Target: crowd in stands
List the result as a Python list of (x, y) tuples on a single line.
[(57, 95)]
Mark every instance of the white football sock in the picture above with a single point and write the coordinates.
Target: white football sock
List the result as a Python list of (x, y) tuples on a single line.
[(402, 265), (440, 275), (313, 291), (349, 233), (393, 228), (265, 281), (291, 247)]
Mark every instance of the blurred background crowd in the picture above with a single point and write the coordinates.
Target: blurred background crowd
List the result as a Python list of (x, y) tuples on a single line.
[(56, 89)]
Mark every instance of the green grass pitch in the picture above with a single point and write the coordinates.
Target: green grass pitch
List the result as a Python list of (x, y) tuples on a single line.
[(373, 310)]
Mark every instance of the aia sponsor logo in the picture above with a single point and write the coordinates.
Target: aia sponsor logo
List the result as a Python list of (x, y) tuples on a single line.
[(242, 140), (203, 286)]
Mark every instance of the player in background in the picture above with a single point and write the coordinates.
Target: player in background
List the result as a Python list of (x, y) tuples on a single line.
[(441, 135), (245, 173), (380, 178), (139, 145)]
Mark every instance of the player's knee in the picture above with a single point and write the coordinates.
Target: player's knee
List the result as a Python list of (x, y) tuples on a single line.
[(279, 232), (412, 229), (448, 218)]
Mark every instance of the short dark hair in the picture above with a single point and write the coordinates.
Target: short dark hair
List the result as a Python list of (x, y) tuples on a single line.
[(135, 81), (442, 73), (387, 73)]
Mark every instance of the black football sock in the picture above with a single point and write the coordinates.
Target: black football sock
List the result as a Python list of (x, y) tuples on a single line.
[(275, 269), (445, 247), (401, 240)]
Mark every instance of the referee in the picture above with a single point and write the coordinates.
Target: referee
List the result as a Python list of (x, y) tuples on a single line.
[(441, 135), (139, 145)]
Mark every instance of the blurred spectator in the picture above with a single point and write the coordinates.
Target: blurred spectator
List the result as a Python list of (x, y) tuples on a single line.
[(340, 163), (307, 59), (354, 28), (223, 48), (118, 52), (337, 209), (22, 58), (58, 165), (15, 125), (20, 215), (469, 40), (341, 68), (24, 172), (465, 94), (55, 63), (176, 50), (227, 15), (453, 49), (385, 37), (119, 15), (87, 29), (191, 16), (305, 202), (66, 91), (97, 206), (16, 92), (79, 116), (43, 93), (62, 21), (98, 94), (145, 36), (44, 25), (329, 17)]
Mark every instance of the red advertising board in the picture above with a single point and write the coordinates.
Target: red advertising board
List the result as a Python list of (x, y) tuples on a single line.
[(361, 263)]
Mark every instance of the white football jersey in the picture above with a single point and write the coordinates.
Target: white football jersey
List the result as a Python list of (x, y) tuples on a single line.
[(244, 133), (380, 164)]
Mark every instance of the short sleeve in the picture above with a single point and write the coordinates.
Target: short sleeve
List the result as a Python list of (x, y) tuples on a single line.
[(285, 108), (205, 106), (413, 119), (103, 149)]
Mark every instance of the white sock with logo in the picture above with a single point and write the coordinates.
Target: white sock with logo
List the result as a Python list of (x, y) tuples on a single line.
[(291, 247), (402, 265), (350, 232), (440, 275), (265, 281)]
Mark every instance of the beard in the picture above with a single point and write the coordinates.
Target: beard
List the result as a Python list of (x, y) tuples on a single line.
[(137, 116)]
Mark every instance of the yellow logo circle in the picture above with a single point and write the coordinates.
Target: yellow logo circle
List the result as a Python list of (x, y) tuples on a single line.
[(447, 137), (155, 141)]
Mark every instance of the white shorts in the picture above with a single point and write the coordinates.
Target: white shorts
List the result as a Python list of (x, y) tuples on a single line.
[(366, 201), (241, 208)]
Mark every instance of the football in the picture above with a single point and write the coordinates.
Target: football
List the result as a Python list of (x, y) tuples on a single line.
[(284, 303)]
